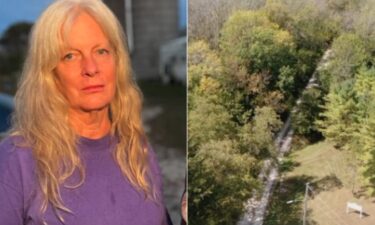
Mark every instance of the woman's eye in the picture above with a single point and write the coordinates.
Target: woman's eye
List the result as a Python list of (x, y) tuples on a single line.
[(103, 51), (68, 56)]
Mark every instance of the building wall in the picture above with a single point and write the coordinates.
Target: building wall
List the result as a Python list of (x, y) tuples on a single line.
[(154, 23), (118, 8)]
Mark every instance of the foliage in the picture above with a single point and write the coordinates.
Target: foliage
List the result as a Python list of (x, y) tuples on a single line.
[(338, 119), (247, 68), (311, 22), (206, 18), (219, 179), (349, 120), (368, 142), (222, 150), (221, 174), (308, 112), (364, 23), (349, 53), (202, 61), (313, 28), (252, 41), (208, 121), (364, 140), (258, 135)]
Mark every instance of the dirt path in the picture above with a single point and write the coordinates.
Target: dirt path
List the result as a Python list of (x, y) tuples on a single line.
[(255, 208)]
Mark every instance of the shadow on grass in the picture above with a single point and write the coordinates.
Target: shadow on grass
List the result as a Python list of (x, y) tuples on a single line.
[(286, 203), (363, 192), (288, 165), (364, 214), (327, 183)]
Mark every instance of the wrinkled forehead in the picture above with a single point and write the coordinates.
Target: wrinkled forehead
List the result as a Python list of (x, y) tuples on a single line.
[(67, 26), (80, 27)]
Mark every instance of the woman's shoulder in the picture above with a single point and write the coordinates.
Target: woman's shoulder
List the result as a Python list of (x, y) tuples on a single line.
[(16, 159), (155, 169), (17, 179), (153, 160), (14, 146)]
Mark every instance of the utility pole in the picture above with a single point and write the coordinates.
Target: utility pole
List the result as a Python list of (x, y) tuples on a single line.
[(305, 203)]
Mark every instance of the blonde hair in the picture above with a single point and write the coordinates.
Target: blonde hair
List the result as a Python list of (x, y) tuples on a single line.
[(41, 111)]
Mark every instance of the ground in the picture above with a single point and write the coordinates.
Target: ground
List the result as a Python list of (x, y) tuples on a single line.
[(165, 123), (331, 177)]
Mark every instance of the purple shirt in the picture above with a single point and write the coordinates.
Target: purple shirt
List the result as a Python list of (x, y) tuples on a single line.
[(105, 197)]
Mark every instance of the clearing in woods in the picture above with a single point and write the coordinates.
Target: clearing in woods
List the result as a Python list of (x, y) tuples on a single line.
[(331, 177)]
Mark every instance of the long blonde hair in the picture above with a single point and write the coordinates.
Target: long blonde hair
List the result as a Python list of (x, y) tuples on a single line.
[(41, 111)]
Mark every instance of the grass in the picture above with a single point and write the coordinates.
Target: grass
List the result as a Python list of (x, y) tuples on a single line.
[(331, 176), (322, 160)]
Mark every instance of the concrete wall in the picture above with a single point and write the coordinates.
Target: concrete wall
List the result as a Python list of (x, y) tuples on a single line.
[(154, 23)]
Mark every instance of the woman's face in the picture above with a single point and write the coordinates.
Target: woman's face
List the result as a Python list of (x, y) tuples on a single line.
[(86, 70)]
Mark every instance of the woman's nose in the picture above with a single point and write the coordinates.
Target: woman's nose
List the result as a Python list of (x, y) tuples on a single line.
[(89, 66)]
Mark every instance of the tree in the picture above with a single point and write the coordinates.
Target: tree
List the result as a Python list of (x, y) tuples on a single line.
[(363, 142), (307, 113), (367, 135), (312, 27), (208, 121), (202, 61), (349, 121), (277, 11), (258, 135), (251, 40), (349, 53), (255, 53), (364, 23), (221, 179), (206, 17), (221, 174), (338, 122)]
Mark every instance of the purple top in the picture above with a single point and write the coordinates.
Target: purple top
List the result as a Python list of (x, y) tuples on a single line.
[(105, 197)]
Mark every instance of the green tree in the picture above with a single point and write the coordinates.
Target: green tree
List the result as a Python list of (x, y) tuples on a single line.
[(349, 121), (208, 121), (220, 181), (221, 170), (312, 27), (339, 120), (202, 61), (278, 12), (367, 135), (363, 142), (307, 113), (349, 53), (364, 23), (260, 59), (258, 135), (250, 40)]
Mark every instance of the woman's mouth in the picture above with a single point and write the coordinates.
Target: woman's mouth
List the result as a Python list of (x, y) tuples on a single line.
[(93, 88)]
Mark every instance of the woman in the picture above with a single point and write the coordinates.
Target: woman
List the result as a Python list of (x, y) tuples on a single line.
[(77, 153)]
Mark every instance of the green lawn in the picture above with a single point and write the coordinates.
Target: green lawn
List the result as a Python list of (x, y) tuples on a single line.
[(322, 160), (331, 177)]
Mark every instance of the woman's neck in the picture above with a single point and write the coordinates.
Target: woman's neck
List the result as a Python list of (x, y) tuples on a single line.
[(93, 124)]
